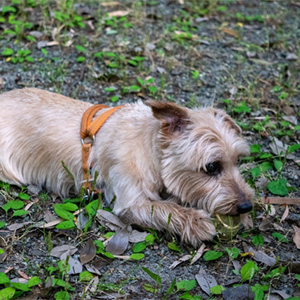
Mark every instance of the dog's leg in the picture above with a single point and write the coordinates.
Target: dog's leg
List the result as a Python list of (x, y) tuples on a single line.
[(194, 226)]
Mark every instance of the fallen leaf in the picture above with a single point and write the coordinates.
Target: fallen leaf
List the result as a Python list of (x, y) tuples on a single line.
[(291, 56), (75, 266), (118, 13), (229, 31), (236, 264), (206, 281), (260, 61), (285, 214), (296, 237), (137, 236), (93, 269), (179, 261), (88, 253), (92, 286), (49, 217), (262, 257), (198, 254), (15, 227), (64, 249), (112, 3), (281, 200), (82, 220), (27, 207), (23, 275), (109, 220), (119, 242), (238, 293)]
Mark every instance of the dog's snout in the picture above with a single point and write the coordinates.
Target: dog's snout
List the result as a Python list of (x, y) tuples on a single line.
[(244, 207)]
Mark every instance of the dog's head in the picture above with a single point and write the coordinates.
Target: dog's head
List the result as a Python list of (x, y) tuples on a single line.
[(200, 155)]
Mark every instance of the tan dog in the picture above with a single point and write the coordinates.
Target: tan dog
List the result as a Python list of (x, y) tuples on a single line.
[(141, 151)]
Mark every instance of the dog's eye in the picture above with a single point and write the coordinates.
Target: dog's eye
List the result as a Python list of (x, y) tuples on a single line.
[(213, 168)]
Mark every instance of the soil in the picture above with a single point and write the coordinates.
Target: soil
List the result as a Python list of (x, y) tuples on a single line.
[(198, 54)]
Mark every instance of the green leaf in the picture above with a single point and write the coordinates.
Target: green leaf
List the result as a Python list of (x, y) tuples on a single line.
[(293, 148), (80, 48), (248, 270), (110, 89), (154, 276), (265, 166), (7, 293), (92, 207), (63, 213), (134, 88), (259, 290), (212, 255), (29, 59), (281, 238), (62, 295), (2, 224), (275, 273), (187, 296), (80, 59), (109, 255), (254, 148), (7, 52), (137, 256), (65, 225), (258, 240), (20, 286), (278, 165), (19, 213), (85, 276), (139, 247), (255, 172), (185, 285), (233, 252), (114, 98), (15, 204), (278, 187), (174, 247), (109, 234), (3, 279), (23, 196), (217, 290), (171, 287), (33, 281)]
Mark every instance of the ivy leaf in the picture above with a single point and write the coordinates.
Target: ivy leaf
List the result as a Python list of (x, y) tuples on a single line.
[(212, 255), (278, 187), (185, 285)]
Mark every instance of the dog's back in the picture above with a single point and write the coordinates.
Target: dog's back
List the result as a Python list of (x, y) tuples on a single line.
[(34, 124)]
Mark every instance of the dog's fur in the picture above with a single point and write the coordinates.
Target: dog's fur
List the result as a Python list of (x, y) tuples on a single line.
[(141, 151)]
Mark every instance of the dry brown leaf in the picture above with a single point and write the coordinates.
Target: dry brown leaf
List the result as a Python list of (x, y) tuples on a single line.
[(285, 214), (23, 275), (119, 242), (281, 200), (75, 266), (179, 261), (112, 3), (296, 237), (119, 13), (198, 254), (262, 257), (230, 32), (137, 236), (88, 253), (109, 220), (17, 226), (206, 281), (261, 61), (59, 251), (92, 286), (27, 207)]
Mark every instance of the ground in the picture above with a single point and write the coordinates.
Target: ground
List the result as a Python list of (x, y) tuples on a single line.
[(242, 56)]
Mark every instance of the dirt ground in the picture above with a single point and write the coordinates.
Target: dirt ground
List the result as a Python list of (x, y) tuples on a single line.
[(241, 56)]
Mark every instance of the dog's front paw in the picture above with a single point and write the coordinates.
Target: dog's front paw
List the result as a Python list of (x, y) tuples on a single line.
[(199, 228)]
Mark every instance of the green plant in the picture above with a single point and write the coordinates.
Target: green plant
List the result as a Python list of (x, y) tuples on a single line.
[(19, 57)]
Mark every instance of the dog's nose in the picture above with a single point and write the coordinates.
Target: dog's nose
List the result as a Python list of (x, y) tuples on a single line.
[(244, 207)]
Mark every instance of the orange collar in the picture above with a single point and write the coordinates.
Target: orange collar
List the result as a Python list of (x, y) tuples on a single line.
[(88, 130)]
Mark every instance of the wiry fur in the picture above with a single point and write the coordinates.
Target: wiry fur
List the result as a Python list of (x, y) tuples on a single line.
[(140, 151)]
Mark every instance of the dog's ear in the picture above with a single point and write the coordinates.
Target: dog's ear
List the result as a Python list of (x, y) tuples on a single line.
[(218, 113), (173, 117)]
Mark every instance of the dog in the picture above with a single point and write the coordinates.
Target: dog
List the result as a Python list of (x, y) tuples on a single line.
[(142, 151)]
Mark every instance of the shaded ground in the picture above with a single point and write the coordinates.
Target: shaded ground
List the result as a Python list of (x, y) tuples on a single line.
[(242, 56)]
